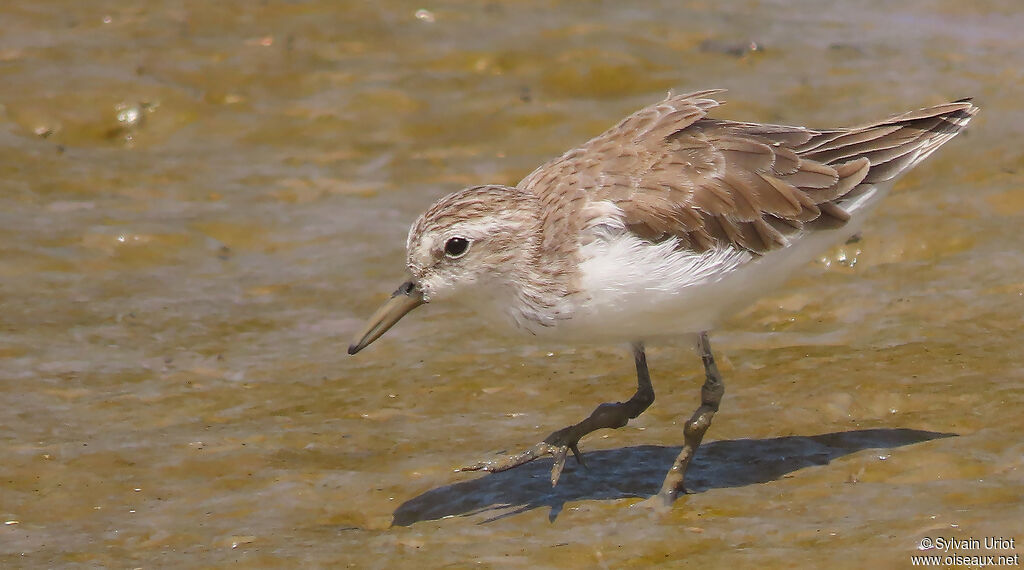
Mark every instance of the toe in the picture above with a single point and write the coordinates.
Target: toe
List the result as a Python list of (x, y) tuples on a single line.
[(576, 453), (556, 469)]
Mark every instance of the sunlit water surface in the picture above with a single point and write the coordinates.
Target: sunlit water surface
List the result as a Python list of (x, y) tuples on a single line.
[(201, 202)]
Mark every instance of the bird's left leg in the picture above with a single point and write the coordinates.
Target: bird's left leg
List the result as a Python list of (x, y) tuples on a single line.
[(558, 444), (693, 432)]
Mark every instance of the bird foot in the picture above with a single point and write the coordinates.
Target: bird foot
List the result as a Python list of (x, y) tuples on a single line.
[(557, 445), (657, 504)]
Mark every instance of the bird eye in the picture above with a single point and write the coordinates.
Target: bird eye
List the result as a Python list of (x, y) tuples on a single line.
[(456, 247)]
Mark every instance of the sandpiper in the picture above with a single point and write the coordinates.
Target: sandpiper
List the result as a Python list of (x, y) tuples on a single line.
[(659, 227)]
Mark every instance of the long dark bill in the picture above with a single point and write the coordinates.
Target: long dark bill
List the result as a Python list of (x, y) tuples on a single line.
[(406, 298)]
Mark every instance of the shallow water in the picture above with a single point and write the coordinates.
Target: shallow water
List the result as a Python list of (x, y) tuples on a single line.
[(201, 202)]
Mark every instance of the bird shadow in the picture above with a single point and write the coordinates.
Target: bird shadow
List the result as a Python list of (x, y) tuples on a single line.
[(638, 472)]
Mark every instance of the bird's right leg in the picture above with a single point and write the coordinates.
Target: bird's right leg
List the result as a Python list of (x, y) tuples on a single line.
[(558, 444)]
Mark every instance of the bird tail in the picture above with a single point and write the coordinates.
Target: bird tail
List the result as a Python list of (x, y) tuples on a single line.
[(894, 145)]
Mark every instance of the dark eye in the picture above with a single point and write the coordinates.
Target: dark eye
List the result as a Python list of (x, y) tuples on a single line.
[(456, 247)]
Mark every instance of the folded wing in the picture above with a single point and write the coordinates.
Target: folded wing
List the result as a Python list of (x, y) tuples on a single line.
[(675, 173)]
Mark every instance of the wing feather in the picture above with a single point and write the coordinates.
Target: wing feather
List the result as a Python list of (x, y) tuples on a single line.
[(672, 172)]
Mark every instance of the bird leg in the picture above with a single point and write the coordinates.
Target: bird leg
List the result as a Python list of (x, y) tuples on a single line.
[(711, 397), (558, 444)]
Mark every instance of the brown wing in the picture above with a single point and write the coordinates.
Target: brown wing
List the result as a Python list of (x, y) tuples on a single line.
[(675, 173)]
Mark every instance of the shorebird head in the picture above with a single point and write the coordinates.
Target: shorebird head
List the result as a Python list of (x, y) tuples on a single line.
[(468, 246)]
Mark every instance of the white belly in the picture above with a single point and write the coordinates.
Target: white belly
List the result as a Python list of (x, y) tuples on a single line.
[(635, 290)]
